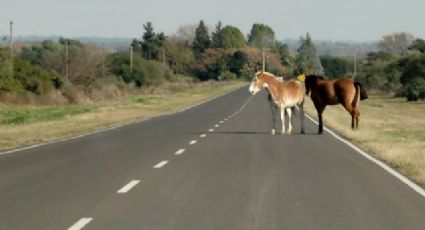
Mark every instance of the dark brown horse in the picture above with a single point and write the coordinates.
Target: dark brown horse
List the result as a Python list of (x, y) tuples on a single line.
[(342, 91)]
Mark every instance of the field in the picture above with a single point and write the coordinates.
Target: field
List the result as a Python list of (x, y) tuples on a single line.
[(390, 128), (26, 125)]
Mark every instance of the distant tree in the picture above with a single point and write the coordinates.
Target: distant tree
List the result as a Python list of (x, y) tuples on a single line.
[(210, 64), (396, 42), (419, 45), (179, 56), (261, 36), (334, 66), (416, 89), (232, 38), (237, 62), (217, 37), (201, 41), (412, 67), (286, 57), (137, 47), (307, 60), (152, 43), (186, 33), (148, 42)]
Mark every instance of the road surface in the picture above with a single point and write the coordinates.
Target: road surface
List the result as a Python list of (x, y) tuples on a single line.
[(202, 169)]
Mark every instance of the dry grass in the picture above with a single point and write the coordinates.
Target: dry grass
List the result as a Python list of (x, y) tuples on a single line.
[(39, 125), (390, 128)]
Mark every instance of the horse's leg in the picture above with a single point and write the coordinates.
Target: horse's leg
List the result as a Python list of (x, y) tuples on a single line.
[(289, 111), (352, 111), (320, 109), (274, 113), (301, 111), (282, 119), (357, 117)]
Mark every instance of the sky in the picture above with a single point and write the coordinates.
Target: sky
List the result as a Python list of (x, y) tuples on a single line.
[(335, 20)]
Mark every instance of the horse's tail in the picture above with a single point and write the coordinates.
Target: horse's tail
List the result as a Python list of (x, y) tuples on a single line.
[(363, 93)]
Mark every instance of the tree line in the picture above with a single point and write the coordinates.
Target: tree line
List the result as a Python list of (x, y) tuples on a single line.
[(224, 53)]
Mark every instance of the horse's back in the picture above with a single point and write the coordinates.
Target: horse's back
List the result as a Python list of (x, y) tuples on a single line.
[(295, 90)]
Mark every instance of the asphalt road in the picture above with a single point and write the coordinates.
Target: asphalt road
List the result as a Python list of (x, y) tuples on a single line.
[(235, 177)]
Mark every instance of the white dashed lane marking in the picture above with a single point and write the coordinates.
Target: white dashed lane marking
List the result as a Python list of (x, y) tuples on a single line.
[(221, 122), (193, 142), (180, 151), (128, 186), (210, 130), (203, 135), (216, 126), (80, 224), (160, 164)]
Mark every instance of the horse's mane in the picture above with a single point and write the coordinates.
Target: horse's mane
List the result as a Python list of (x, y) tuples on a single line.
[(266, 73), (315, 76)]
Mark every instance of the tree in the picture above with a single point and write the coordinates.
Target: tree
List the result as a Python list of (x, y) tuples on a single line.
[(179, 56), (412, 67), (137, 47), (210, 64), (419, 45), (261, 36), (308, 60), (237, 62), (152, 43), (396, 42), (232, 38), (202, 40), (416, 89), (334, 66), (286, 57), (148, 41), (217, 37), (186, 33)]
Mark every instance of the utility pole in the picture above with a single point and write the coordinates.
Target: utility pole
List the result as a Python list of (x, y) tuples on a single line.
[(131, 58), (355, 64), (11, 47), (264, 60), (66, 59)]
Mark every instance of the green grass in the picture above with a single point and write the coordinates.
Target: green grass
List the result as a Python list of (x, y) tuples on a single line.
[(14, 115)]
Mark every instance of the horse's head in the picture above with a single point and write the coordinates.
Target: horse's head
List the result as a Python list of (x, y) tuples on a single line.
[(310, 81), (257, 83)]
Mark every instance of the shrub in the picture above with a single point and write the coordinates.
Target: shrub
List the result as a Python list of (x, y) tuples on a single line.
[(416, 89)]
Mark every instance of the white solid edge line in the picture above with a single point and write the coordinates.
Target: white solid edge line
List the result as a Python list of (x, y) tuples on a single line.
[(180, 151), (128, 186), (81, 223), (193, 142), (387, 168), (160, 164), (113, 127), (203, 135)]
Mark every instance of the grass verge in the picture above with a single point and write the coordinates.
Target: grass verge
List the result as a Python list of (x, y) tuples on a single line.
[(391, 129), (26, 125)]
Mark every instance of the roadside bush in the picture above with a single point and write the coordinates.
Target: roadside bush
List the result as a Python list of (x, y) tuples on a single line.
[(227, 75), (416, 89)]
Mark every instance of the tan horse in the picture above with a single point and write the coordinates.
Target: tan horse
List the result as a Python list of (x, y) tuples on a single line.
[(285, 96), (342, 91)]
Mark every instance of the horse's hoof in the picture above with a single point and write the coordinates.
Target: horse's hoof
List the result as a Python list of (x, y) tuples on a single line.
[(273, 132), (302, 132), (283, 133), (289, 131)]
